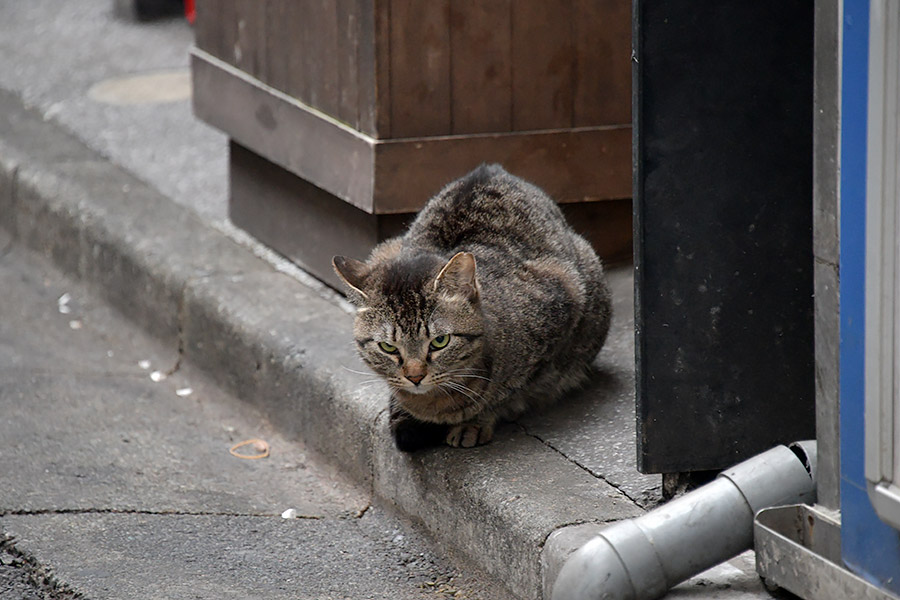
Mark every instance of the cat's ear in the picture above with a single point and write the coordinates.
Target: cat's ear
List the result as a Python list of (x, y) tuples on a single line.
[(353, 273), (458, 276)]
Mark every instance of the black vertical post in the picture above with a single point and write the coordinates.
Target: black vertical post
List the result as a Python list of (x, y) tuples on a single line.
[(723, 229)]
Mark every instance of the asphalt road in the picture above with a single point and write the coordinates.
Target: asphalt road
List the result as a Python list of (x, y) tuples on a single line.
[(116, 479)]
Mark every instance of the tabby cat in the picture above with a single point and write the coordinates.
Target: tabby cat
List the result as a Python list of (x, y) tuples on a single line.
[(489, 305)]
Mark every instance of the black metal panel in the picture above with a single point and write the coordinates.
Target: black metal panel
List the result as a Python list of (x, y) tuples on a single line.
[(723, 230)]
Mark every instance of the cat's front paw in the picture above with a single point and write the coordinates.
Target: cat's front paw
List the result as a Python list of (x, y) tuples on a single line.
[(411, 435), (467, 435)]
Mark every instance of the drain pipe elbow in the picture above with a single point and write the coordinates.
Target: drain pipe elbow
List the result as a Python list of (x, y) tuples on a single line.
[(642, 558)]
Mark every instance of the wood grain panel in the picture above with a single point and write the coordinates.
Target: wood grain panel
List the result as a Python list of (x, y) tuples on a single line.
[(375, 82), (572, 166), (297, 84), (420, 68), (395, 176), (208, 27), (603, 66), (606, 225), (249, 23), (320, 62), (308, 225), (228, 31), (348, 12), (330, 156), (481, 69), (277, 42), (543, 64)]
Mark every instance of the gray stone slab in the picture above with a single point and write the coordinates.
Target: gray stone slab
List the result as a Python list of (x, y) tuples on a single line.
[(734, 579), (289, 352), (54, 52), (33, 137), (596, 426), (102, 224), (125, 556), (497, 502)]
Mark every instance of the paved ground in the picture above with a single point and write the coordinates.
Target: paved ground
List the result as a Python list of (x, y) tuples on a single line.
[(120, 486), (119, 87)]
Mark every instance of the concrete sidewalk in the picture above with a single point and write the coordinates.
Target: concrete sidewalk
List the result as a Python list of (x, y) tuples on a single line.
[(130, 198)]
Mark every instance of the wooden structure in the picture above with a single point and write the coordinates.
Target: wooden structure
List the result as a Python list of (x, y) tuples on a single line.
[(363, 109)]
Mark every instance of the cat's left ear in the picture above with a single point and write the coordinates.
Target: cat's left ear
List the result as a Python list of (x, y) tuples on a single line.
[(458, 277), (353, 273)]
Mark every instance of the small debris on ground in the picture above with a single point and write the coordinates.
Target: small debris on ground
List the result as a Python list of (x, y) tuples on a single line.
[(260, 446), (185, 391), (63, 303)]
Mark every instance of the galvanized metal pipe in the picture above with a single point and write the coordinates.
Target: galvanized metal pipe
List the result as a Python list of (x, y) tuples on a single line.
[(642, 558)]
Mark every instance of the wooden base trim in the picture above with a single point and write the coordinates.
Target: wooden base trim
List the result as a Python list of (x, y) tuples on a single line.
[(386, 176)]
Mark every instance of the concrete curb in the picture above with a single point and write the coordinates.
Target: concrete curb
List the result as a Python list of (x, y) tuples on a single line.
[(282, 346)]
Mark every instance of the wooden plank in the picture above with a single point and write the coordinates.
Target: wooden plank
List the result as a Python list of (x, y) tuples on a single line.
[(208, 27), (320, 49), (606, 225), (296, 46), (481, 66), (603, 65), (332, 157), (543, 56), (397, 176), (309, 226), (348, 36), (375, 84), (227, 32), (299, 220), (278, 39), (367, 66), (572, 166), (250, 34), (420, 68)]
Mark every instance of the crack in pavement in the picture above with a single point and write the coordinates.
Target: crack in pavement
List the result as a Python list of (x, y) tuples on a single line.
[(41, 578), (164, 512), (580, 466)]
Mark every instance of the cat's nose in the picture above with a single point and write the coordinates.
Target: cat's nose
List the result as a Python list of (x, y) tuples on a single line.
[(415, 378)]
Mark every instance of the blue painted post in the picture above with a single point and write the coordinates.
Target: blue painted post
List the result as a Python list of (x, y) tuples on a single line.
[(870, 548)]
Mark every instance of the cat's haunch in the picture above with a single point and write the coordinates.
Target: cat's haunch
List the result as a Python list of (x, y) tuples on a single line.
[(488, 306)]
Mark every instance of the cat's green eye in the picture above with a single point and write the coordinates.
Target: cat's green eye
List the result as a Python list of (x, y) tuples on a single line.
[(389, 348), (440, 342)]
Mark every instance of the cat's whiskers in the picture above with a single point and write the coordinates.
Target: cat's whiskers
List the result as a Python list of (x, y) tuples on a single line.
[(464, 376), (369, 382), (357, 372), (468, 392), (448, 394), (474, 401), (467, 373)]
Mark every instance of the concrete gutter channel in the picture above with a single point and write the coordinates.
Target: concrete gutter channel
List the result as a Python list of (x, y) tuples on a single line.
[(284, 347)]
